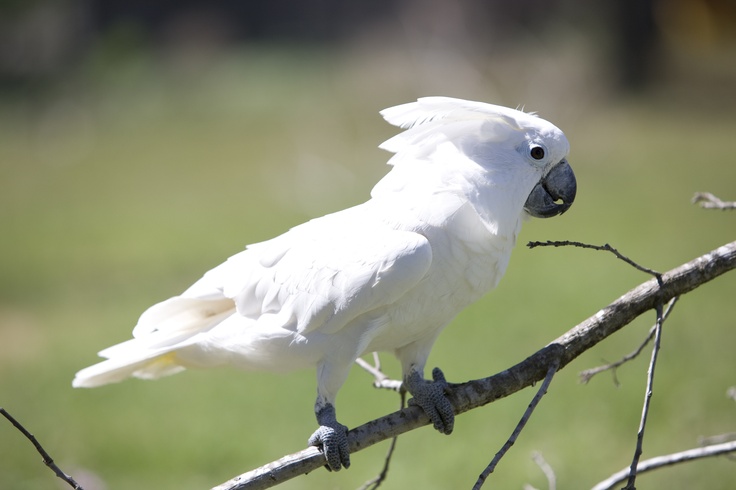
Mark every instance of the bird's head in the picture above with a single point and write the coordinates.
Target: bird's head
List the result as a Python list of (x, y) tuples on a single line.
[(546, 149), (517, 161)]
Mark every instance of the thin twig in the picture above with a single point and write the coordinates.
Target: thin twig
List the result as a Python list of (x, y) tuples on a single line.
[(549, 473), (670, 459), (47, 460), (380, 380), (631, 482), (376, 482), (606, 248), (657, 336), (375, 368), (731, 393), (586, 375), (717, 439), (707, 200), (554, 365)]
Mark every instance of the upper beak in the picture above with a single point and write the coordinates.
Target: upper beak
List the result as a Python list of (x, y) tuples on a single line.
[(554, 194)]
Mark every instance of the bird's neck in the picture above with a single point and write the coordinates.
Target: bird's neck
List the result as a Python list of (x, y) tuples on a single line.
[(433, 195)]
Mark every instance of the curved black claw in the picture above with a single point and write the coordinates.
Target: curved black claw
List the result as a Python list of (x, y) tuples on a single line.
[(431, 396), (332, 438)]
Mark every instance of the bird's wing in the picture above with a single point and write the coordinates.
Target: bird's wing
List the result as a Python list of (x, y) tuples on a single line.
[(319, 275)]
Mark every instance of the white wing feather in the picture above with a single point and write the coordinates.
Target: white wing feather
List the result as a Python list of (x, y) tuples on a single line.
[(316, 277), (325, 274)]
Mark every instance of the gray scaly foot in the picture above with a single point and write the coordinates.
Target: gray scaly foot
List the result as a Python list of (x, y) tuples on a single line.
[(431, 396), (332, 438)]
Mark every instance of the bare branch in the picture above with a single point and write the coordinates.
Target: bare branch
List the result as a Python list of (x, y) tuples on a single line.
[(630, 484), (520, 426), (476, 393), (376, 482), (709, 201), (586, 375), (605, 248), (717, 439), (731, 393), (47, 460), (380, 380), (670, 459), (549, 473)]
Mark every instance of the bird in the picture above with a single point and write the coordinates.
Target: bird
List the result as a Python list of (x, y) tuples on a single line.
[(389, 274)]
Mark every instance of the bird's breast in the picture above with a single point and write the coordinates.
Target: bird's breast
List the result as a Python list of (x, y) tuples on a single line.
[(468, 260)]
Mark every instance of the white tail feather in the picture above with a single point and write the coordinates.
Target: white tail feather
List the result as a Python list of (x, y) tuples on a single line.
[(162, 330), (151, 366)]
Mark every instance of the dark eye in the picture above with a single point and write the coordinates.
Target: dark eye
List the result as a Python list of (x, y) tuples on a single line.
[(537, 152)]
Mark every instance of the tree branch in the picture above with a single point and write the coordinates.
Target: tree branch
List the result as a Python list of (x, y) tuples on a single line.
[(670, 459), (604, 248), (380, 380), (519, 427), (378, 480), (47, 459), (476, 393), (633, 469), (549, 473), (709, 201), (588, 374)]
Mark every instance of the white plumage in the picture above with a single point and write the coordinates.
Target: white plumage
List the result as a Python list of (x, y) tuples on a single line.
[(386, 275)]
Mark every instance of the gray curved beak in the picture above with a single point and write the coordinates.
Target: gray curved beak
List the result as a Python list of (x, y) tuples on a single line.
[(554, 194)]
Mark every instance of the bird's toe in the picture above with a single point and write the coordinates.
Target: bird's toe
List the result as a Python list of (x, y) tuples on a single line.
[(333, 441), (431, 396)]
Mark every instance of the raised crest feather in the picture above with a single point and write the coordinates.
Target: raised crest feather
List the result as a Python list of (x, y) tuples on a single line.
[(429, 109), (431, 120)]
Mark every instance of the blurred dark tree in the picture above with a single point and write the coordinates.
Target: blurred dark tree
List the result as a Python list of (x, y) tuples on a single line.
[(314, 20), (636, 43), (40, 39)]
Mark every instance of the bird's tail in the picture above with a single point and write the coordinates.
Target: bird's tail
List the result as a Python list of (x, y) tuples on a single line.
[(151, 366), (162, 331)]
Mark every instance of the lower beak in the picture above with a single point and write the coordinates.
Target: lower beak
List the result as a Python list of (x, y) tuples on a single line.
[(554, 194)]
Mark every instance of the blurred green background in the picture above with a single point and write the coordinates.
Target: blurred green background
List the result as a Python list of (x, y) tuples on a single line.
[(141, 146)]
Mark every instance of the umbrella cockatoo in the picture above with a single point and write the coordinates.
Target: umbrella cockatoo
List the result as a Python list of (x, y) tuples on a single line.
[(385, 275)]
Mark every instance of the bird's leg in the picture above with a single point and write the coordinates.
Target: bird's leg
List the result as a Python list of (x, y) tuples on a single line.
[(331, 437), (431, 396)]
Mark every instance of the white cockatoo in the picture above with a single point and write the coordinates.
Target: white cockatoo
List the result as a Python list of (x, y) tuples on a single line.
[(385, 275)]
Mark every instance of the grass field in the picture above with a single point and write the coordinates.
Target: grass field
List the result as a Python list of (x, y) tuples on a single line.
[(121, 186)]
